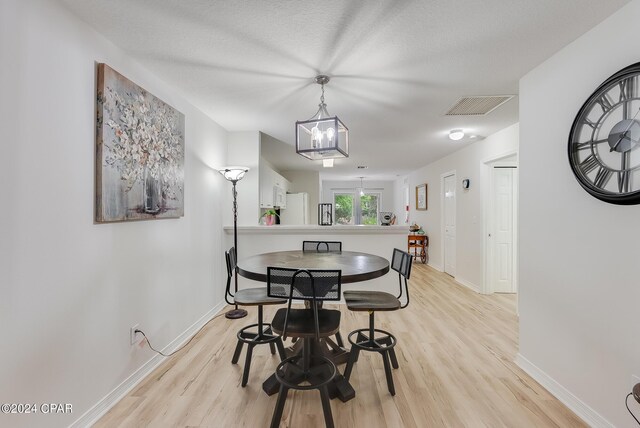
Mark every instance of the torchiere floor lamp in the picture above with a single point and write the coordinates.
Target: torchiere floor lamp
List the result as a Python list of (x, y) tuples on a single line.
[(235, 174)]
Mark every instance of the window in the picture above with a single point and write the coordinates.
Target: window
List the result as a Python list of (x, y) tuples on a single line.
[(352, 209), (343, 203), (369, 208)]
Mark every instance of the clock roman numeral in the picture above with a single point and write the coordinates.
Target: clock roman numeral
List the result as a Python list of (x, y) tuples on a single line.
[(623, 175), (593, 125), (623, 181), (605, 102), (627, 88), (602, 177), (589, 164)]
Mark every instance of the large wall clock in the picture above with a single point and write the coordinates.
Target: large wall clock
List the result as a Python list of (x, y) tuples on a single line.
[(604, 150)]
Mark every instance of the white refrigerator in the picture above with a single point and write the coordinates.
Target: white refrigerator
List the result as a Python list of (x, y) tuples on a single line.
[(297, 210)]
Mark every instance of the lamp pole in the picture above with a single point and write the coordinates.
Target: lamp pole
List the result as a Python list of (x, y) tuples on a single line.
[(235, 174)]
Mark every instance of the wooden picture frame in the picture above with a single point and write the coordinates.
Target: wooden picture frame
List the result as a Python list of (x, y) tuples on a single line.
[(421, 197)]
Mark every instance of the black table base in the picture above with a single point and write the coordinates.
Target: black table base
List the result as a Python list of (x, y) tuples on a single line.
[(339, 387)]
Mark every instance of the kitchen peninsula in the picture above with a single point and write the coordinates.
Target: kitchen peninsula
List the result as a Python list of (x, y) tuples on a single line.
[(378, 240)]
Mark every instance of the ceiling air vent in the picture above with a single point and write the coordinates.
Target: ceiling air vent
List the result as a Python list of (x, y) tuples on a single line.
[(477, 106)]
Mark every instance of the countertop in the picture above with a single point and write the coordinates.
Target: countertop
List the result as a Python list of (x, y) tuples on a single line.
[(311, 228)]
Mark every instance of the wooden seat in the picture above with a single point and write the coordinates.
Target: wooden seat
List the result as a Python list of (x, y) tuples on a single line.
[(253, 334), (256, 296), (301, 323), (371, 301), (310, 369), (373, 339)]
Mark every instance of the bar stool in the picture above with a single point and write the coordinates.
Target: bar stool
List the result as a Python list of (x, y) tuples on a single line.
[(373, 339), (322, 246), (310, 369), (326, 247), (263, 333)]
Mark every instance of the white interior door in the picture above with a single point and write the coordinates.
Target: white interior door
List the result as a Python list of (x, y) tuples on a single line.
[(449, 216), (502, 231)]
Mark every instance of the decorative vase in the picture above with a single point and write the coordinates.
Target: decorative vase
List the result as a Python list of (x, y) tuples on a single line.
[(150, 193), (270, 220)]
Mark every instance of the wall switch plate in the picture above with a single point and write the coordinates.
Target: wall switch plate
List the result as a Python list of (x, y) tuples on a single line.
[(133, 335)]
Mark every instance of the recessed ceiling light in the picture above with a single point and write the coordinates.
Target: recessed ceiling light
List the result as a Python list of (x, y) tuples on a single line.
[(362, 167), (327, 163), (473, 136), (456, 134)]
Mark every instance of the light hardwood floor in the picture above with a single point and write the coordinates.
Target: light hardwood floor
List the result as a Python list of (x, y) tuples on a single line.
[(456, 350)]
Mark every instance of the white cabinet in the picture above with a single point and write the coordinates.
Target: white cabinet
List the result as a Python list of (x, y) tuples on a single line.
[(279, 197), (266, 188), (273, 189)]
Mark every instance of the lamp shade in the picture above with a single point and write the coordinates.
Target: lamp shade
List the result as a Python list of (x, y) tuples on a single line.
[(233, 173)]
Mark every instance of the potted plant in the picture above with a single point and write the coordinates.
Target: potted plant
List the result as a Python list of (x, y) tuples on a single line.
[(269, 217)]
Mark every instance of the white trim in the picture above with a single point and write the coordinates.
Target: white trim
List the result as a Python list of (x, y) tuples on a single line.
[(439, 268), (442, 219), (487, 166), (471, 286), (579, 407), (92, 415)]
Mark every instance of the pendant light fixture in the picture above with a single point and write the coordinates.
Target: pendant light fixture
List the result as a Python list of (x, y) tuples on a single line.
[(361, 187), (323, 136)]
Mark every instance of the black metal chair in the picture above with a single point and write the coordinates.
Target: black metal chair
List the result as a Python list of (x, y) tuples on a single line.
[(253, 334), (325, 247), (372, 301), (310, 369), (321, 246)]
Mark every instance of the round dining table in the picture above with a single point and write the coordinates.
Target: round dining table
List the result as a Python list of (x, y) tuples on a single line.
[(355, 267)]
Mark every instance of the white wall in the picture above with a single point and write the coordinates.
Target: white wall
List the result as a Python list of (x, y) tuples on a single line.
[(244, 150), (309, 182), (71, 288), (400, 187), (467, 163), (579, 270)]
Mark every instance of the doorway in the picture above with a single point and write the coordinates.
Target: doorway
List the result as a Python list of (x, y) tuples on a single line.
[(449, 222), (501, 227)]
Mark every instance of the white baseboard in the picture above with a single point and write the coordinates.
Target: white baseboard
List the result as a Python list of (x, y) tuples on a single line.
[(92, 415), (471, 286), (577, 406), (436, 267)]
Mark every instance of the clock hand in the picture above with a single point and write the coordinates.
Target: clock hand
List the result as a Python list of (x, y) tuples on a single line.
[(624, 134)]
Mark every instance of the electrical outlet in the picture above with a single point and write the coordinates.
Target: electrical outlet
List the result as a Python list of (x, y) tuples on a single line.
[(133, 336)]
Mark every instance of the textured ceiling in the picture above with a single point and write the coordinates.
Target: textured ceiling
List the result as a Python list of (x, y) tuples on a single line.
[(396, 66)]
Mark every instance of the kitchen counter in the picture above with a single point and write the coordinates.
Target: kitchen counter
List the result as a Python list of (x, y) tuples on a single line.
[(315, 229), (378, 240)]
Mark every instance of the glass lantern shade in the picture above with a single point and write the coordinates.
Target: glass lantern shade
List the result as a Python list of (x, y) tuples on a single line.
[(322, 138), (233, 173)]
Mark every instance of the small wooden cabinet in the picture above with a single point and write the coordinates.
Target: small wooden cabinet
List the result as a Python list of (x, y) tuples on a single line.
[(418, 244)]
